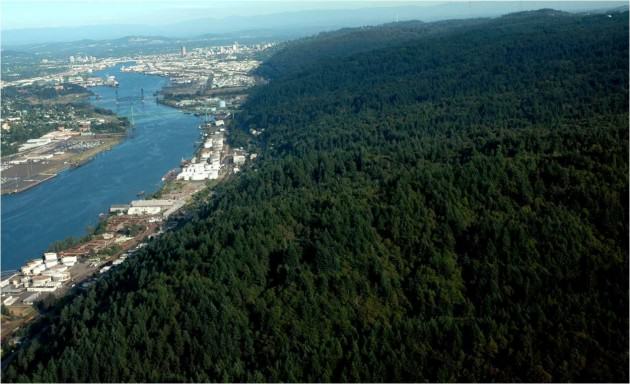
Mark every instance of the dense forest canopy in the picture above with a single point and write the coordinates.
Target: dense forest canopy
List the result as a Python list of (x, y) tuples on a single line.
[(297, 55), (452, 207)]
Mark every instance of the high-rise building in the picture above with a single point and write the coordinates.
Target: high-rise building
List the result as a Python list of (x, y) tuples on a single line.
[(183, 50)]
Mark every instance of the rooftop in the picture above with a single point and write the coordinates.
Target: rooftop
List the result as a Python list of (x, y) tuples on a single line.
[(152, 203)]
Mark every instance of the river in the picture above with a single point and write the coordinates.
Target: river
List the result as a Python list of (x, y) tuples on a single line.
[(67, 204)]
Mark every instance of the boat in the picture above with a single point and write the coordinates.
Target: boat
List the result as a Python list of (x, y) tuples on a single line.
[(141, 193)]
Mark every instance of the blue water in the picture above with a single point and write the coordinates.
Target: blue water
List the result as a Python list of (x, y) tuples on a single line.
[(67, 204)]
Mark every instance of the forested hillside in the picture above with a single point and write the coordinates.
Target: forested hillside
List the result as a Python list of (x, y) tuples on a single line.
[(450, 208), (299, 55)]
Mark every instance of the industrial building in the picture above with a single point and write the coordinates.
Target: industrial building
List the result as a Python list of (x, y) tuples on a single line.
[(46, 274), (119, 208), (149, 207), (199, 171)]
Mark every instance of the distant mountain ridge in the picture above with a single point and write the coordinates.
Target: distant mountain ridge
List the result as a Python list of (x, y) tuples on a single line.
[(299, 22)]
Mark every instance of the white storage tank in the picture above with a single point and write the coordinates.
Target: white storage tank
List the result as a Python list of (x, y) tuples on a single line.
[(40, 281), (69, 261), (9, 300), (35, 262)]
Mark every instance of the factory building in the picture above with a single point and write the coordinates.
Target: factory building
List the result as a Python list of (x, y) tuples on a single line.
[(119, 208), (149, 207), (199, 171)]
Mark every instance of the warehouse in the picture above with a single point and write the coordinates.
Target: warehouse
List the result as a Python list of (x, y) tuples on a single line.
[(148, 207)]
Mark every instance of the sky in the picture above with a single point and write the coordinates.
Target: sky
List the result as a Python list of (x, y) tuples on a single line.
[(17, 14)]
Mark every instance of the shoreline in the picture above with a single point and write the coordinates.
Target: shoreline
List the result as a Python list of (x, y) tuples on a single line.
[(115, 237), (86, 270), (73, 162), (30, 186)]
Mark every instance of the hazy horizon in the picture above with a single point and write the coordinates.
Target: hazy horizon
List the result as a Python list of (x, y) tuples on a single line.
[(23, 15), (36, 21)]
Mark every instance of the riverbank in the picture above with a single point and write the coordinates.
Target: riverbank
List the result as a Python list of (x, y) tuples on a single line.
[(26, 170), (128, 226), (103, 170), (118, 236)]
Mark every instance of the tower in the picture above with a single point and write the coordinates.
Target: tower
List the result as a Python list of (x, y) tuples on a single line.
[(183, 50)]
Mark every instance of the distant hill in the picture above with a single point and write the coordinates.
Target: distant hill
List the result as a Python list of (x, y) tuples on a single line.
[(298, 55), (295, 24), (430, 203), (139, 45)]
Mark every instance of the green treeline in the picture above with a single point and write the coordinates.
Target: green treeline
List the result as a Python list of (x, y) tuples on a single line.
[(450, 208)]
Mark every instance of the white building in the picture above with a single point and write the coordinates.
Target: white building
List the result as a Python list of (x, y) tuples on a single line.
[(38, 269), (239, 159), (50, 287), (199, 171), (9, 300), (205, 154), (6, 281), (60, 277), (144, 210), (69, 260), (40, 281), (148, 207), (119, 208), (55, 270)]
